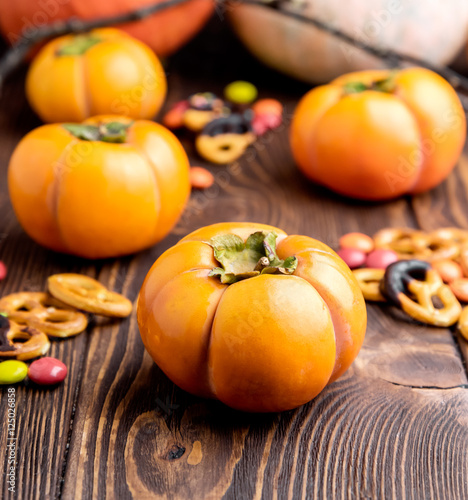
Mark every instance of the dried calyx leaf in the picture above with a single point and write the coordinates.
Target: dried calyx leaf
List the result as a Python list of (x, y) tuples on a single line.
[(115, 132), (78, 45), (241, 260), (386, 85)]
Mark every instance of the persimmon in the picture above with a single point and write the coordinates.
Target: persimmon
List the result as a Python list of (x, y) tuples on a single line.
[(377, 135), (108, 187), (104, 71), (246, 314)]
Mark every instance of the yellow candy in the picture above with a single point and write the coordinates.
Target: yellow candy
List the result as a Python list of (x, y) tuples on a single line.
[(12, 371), (241, 92)]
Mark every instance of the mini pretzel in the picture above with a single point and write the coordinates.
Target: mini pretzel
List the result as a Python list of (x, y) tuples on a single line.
[(463, 259), (43, 312), (34, 343), (88, 295), (452, 234), (369, 282), (412, 285), (414, 244), (463, 323)]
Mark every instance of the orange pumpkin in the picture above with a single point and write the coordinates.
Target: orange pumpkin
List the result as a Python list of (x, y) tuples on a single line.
[(106, 188), (244, 313), (377, 135), (433, 31), (105, 71), (164, 32)]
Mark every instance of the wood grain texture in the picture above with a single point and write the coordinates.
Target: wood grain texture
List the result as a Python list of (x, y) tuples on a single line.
[(394, 427)]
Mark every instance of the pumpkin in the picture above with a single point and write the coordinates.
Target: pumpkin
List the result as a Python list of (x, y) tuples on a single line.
[(105, 71), (434, 30), (164, 32), (104, 188), (246, 314), (379, 134)]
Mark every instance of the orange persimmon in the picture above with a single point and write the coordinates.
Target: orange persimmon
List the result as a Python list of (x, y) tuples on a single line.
[(246, 314), (104, 188), (377, 135), (104, 71)]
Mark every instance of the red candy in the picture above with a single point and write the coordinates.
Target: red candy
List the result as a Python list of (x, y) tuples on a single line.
[(3, 271), (353, 257), (47, 371), (381, 259), (263, 123)]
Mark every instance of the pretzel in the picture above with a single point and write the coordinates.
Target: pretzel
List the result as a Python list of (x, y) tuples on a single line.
[(463, 323), (412, 285), (88, 295), (369, 282), (414, 244), (34, 343), (452, 234), (463, 259), (43, 312)]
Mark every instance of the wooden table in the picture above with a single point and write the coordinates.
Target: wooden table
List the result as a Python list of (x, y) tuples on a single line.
[(395, 426)]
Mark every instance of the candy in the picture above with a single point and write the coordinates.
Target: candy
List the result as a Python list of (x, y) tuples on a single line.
[(460, 289), (353, 257), (449, 270), (47, 371), (174, 118), (381, 258), (201, 178), (267, 107), (358, 241), (263, 123), (12, 371), (241, 92), (3, 271)]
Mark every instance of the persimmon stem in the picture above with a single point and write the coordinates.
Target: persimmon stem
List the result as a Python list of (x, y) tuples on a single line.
[(115, 132), (241, 260)]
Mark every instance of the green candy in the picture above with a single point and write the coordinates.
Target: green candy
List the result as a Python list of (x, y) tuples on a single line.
[(12, 371), (241, 92)]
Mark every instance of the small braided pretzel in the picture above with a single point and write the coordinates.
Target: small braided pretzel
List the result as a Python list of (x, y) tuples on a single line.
[(369, 282), (414, 244), (452, 234), (33, 342), (43, 312), (412, 285), (88, 295), (463, 323)]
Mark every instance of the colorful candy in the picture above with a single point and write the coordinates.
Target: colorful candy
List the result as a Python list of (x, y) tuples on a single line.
[(358, 241), (240, 92), (174, 118), (354, 258), (201, 178), (12, 371), (3, 271), (460, 289), (47, 371), (381, 258), (448, 270), (267, 107)]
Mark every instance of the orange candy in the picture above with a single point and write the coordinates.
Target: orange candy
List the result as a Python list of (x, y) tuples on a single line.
[(448, 269), (201, 178), (358, 241), (267, 107), (460, 289)]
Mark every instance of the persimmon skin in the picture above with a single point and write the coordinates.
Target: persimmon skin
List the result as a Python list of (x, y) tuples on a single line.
[(376, 145), (96, 199), (263, 344), (119, 75)]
